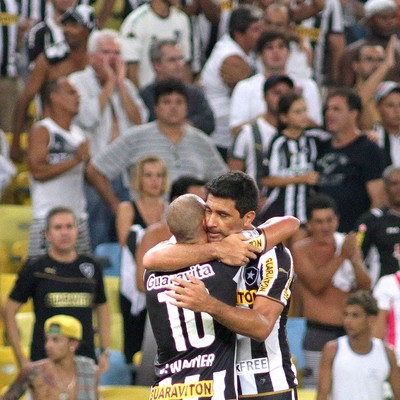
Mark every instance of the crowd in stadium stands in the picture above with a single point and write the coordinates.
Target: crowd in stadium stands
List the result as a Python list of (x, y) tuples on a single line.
[(109, 105)]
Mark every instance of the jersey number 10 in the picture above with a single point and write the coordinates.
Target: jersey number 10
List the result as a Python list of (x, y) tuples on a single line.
[(191, 327)]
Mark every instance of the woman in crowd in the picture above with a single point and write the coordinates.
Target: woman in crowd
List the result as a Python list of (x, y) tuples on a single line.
[(289, 172), (149, 184)]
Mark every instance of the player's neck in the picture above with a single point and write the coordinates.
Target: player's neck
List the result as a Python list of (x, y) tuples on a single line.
[(61, 118), (324, 240), (393, 130), (293, 132), (149, 200), (361, 344), (65, 374), (64, 256), (66, 365), (271, 118), (274, 71), (342, 139)]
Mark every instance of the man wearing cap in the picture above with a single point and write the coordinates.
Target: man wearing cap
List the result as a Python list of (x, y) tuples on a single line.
[(253, 140), (69, 56), (62, 375), (381, 22), (387, 98)]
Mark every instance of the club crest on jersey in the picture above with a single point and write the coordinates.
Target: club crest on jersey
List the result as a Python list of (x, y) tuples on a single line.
[(87, 269), (250, 275)]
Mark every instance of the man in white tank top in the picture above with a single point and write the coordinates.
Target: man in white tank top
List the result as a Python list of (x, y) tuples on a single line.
[(57, 154), (356, 366)]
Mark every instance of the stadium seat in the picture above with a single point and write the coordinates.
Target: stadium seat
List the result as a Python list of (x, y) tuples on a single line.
[(296, 329), (116, 332), (2, 333), (109, 257), (111, 284), (119, 373), (15, 221), (8, 366), (25, 322), (124, 392), (21, 191), (117, 338), (18, 254), (5, 262), (307, 394)]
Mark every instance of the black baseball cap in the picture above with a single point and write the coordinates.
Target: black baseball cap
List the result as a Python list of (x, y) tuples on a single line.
[(275, 79)]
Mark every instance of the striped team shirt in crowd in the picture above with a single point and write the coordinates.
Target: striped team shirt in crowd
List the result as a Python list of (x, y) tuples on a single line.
[(9, 16), (289, 157)]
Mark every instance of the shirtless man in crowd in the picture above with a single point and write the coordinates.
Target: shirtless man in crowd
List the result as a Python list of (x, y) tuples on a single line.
[(329, 267)]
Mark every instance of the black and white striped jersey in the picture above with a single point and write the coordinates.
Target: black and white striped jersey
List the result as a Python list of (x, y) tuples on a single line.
[(34, 9), (39, 10), (42, 37), (9, 17), (266, 367), (289, 157), (196, 354), (48, 36)]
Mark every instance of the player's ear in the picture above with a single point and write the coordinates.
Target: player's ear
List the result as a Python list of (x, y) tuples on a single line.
[(248, 219)]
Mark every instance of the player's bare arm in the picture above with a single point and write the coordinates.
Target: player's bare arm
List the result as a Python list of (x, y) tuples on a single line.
[(167, 256), (233, 250), (19, 387)]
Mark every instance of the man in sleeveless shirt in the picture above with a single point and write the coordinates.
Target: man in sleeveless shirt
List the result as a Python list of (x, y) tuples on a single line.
[(355, 366), (57, 154)]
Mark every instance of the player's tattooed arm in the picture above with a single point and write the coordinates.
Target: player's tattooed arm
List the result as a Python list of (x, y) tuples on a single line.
[(20, 385)]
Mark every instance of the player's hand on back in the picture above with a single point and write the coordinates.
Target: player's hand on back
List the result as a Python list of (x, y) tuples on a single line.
[(234, 250), (192, 295)]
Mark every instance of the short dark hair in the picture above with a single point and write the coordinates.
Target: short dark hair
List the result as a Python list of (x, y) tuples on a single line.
[(284, 104), (286, 101), (168, 86), (48, 88), (270, 36), (320, 202), (182, 184), (274, 80), (352, 98), (237, 186), (365, 300), (157, 47), (242, 17), (58, 210)]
